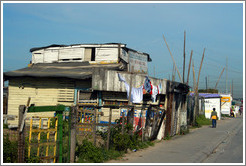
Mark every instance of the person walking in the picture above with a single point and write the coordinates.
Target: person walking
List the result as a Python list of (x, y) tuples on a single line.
[(214, 118)]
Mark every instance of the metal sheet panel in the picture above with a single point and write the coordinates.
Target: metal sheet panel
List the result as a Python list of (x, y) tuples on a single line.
[(138, 62), (107, 80)]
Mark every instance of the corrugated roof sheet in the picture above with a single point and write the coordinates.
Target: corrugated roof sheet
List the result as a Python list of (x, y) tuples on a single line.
[(77, 70), (207, 95)]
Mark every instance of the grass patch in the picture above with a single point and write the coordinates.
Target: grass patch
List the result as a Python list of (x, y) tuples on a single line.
[(225, 115), (202, 120)]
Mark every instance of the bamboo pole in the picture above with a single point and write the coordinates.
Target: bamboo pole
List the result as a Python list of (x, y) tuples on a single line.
[(194, 84), (172, 59), (219, 78), (189, 68), (184, 58), (200, 70), (194, 76)]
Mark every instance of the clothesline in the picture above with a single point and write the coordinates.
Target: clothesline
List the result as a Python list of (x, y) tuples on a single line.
[(137, 93)]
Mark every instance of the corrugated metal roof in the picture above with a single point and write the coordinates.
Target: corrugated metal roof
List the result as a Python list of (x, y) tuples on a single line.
[(207, 95), (77, 70)]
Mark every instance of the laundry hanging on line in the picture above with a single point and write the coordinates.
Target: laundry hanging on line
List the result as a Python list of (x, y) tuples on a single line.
[(136, 93)]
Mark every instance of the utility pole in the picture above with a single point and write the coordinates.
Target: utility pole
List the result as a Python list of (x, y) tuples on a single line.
[(184, 59), (232, 90), (208, 81)]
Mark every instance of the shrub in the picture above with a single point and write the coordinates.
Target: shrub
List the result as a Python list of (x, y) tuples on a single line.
[(202, 120), (10, 150), (88, 153), (168, 137)]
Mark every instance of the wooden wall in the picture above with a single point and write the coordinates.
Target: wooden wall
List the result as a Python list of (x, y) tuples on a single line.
[(43, 91)]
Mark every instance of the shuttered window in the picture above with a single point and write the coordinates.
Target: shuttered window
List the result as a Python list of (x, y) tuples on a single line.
[(66, 91)]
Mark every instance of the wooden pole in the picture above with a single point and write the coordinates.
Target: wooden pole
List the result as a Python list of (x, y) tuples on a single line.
[(232, 89), (200, 69), (73, 117), (194, 84), (123, 122), (142, 125), (173, 59), (21, 138), (184, 59), (94, 126), (189, 68), (194, 77), (219, 78), (24, 115), (173, 74), (130, 91), (109, 127)]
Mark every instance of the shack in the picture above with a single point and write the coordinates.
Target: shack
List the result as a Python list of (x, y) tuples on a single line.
[(208, 101), (88, 74)]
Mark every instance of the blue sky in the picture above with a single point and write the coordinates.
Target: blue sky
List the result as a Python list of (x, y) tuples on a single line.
[(217, 27)]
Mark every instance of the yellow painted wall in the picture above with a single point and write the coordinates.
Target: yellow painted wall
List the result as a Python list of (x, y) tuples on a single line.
[(43, 91)]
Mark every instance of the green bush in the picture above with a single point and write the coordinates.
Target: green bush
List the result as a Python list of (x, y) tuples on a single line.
[(202, 120), (88, 153), (10, 150), (5, 126)]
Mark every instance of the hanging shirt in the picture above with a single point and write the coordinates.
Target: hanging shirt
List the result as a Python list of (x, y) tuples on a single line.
[(147, 85), (136, 93), (154, 93)]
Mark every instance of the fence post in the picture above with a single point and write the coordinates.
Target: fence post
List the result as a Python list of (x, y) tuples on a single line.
[(60, 134), (73, 117), (123, 122), (109, 126), (21, 138), (94, 126), (142, 125)]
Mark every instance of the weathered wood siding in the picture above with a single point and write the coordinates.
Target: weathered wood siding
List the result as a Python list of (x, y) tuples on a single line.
[(107, 54), (107, 80), (43, 91)]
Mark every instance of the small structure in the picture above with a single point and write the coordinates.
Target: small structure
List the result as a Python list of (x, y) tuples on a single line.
[(87, 74), (208, 101)]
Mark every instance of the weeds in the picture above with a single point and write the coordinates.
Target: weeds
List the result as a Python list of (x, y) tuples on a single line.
[(202, 120), (168, 137)]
